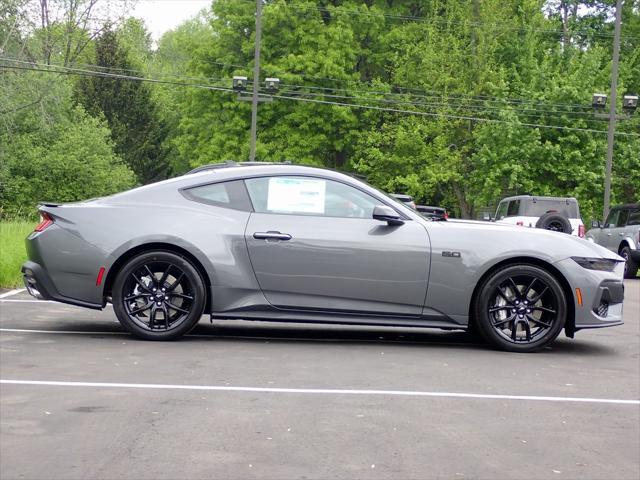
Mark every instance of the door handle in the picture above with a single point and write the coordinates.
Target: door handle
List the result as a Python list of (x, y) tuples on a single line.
[(621, 234), (271, 235), (608, 234)]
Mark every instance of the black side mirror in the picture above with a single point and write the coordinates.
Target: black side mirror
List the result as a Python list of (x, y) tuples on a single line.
[(387, 214), (595, 224), (487, 217)]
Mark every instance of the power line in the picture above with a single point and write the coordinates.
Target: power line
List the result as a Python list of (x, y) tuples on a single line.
[(89, 73), (452, 105), (414, 92), (445, 102), (434, 94), (80, 72), (457, 117)]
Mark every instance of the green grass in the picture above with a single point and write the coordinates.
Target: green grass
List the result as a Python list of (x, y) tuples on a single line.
[(12, 251)]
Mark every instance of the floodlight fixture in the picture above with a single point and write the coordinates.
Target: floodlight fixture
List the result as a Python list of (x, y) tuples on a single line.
[(239, 83), (272, 84), (599, 100), (630, 103)]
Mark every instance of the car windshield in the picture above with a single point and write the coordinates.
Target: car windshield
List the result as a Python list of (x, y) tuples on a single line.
[(397, 201), (389, 196)]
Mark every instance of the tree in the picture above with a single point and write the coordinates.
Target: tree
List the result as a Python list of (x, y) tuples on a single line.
[(55, 152), (127, 106)]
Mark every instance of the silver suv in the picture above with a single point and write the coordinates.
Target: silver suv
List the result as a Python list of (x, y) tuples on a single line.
[(620, 233)]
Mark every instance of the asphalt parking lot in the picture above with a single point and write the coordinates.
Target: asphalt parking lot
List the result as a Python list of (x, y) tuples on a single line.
[(81, 399)]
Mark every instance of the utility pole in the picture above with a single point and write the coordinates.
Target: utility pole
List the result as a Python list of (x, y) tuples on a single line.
[(256, 81), (612, 109)]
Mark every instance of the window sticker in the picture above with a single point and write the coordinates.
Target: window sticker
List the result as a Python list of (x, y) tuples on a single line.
[(297, 195)]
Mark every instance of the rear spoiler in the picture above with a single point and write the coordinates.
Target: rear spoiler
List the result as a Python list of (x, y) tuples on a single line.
[(49, 204)]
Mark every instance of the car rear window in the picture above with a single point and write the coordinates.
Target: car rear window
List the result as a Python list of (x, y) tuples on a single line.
[(539, 207), (223, 194)]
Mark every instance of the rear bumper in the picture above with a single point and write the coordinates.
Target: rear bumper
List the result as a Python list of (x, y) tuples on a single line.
[(39, 285)]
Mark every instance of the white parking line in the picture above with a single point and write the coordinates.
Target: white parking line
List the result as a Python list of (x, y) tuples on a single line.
[(12, 292), (31, 330), (320, 391), (252, 337), (29, 301), (11, 300)]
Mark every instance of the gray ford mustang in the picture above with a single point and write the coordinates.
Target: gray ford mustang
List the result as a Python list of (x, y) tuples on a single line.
[(291, 243)]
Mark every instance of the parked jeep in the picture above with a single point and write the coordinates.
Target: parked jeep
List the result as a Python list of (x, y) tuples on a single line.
[(560, 214), (620, 233)]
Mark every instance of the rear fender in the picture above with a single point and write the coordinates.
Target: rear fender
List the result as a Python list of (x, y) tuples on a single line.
[(124, 252)]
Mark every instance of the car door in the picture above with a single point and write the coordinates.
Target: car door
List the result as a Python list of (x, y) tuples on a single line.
[(609, 237), (314, 245)]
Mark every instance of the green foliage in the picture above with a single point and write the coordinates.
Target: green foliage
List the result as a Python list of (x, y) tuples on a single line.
[(127, 106), (474, 57), (52, 149), (13, 252), (466, 101)]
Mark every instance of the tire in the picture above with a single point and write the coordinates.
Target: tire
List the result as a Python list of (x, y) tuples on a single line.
[(158, 295), (520, 308), (555, 222), (630, 267)]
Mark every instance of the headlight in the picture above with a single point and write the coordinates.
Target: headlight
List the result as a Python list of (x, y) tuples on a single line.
[(601, 264)]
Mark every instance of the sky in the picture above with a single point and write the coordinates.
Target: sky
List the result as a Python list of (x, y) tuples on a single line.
[(163, 15)]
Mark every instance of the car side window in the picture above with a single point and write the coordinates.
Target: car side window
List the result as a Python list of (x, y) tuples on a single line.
[(231, 194), (612, 219), (501, 212), (634, 217), (622, 219), (514, 208), (309, 196)]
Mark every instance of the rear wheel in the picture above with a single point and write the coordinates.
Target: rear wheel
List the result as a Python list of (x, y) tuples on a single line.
[(158, 296), (520, 308), (630, 267)]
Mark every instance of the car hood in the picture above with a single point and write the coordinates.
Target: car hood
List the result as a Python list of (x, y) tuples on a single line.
[(555, 244)]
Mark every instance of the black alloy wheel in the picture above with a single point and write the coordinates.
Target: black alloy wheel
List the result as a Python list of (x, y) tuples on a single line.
[(520, 308), (158, 296)]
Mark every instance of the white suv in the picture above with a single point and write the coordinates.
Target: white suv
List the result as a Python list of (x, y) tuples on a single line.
[(560, 214)]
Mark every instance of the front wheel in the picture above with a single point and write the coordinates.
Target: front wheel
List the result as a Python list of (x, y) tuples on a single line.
[(630, 267), (520, 308), (158, 296)]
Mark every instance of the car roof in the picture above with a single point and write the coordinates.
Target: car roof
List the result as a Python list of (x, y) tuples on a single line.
[(536, 197), (232, 163), (229, 171), (626, 205), (402, 196)]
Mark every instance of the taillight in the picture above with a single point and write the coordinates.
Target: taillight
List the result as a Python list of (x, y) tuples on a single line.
[(446, 215), (581, 231), (45, 221), (520, 223)]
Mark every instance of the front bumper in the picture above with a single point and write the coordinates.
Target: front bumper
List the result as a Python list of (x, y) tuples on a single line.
[(635, 255), (602, 295), (39, 285)]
